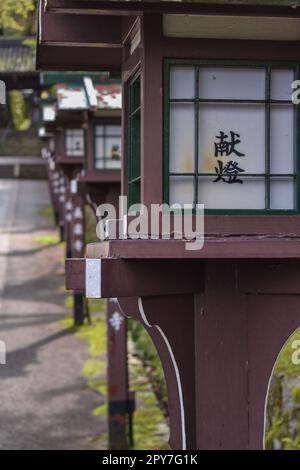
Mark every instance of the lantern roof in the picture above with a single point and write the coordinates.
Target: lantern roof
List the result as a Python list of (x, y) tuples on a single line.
[(83, 93), (88, 96), (16, 56), (17, 63), (53, 4)]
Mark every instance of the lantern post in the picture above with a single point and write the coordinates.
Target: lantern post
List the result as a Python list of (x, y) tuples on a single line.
[(208, 118)]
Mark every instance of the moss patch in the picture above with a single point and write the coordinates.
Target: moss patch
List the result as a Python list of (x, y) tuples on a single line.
[(95, 336), (47, 212), (283, 411), (90, 225), (48, 239), (150, 428)]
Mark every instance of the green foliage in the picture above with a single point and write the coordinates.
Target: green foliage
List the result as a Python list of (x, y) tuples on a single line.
[(95, 335), (69, 304), (150, 429), (17, 15), (47, 212), (283, 410), (19, 111), (101, 410), (147, 354), (284, 364), (296, 394), (14, 142), (90, 225), (47, 240)]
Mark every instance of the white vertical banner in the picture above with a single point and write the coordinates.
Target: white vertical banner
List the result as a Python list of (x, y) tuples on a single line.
[(2, 92)]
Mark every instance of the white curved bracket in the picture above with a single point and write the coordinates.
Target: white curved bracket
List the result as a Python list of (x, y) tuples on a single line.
[(176, 369)]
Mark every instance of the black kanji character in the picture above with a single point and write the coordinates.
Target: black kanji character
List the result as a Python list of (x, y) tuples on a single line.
[(228, 173), (226, 148)]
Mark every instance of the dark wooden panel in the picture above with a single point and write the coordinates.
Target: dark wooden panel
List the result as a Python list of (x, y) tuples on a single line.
[(218, 248), (269, 277), (221, 362), (152, 116), (75, 274), (78, 29), (186, 6), (150, 277), (264, 225), (271, 321), (117, 376), (78, 58), (137, 278)]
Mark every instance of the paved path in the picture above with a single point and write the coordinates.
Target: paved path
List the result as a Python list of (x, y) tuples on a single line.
[(44, 401)]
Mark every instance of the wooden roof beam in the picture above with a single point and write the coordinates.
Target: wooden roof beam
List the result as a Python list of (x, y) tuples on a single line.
[(87, 31), (104, 7)]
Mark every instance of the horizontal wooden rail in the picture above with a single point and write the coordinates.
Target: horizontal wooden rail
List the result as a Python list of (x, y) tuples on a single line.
[(106, 278)]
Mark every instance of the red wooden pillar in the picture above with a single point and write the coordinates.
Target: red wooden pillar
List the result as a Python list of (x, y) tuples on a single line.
[(77, 246), (120, 402), (218, 368), (68, 215), (53, 178), (218, 326), (61, 204), (103, 186)]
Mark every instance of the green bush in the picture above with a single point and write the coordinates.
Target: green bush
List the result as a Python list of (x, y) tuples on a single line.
[(90, 225), (146, 352), (14, 143), (19, 111), (283, 407)]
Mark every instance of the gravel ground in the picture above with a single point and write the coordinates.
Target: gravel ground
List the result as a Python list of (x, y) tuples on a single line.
[(44, 400)]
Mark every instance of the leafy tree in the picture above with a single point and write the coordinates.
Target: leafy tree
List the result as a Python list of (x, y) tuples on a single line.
[(19, 111), (283, 407), (17, 16)]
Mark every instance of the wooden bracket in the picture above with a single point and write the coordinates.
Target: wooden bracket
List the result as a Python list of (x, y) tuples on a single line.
[(163, 317)]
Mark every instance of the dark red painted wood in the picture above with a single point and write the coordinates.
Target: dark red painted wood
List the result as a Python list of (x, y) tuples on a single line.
[(117, 375), (271, 321), (161, 317), (76, 29), (221, 361), (105, 7), (216, 331)]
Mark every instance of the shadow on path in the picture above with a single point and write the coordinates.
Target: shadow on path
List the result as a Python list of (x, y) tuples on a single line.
[(18, 360)]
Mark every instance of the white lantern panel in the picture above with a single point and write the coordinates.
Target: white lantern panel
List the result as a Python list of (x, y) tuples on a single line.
[(243, 128), (181, 190), (109, 164), (222, 195), (113, 131), (182, 137), (52, 145), (99, 147), (232, 83), (282, 193), (78, 148), (281, 84), (182, 83), (69, 141), (99, 130), (113, 152), (282, 139), (75, 142), (99, 164)]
